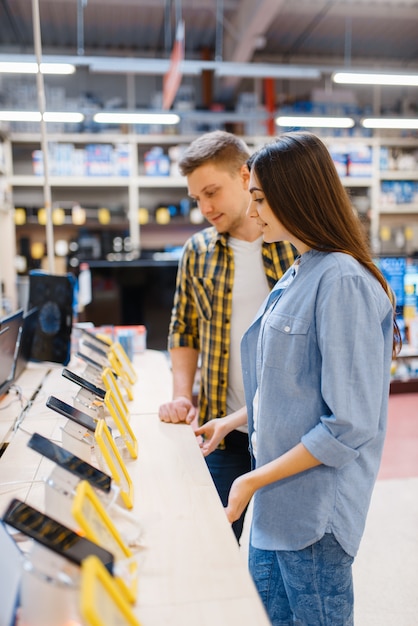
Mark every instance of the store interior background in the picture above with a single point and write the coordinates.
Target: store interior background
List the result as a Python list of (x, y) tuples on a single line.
[(244, 64)]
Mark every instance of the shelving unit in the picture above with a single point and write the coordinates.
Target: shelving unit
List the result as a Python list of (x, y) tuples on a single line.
[(136, 189), (124, 194), (8, 245)]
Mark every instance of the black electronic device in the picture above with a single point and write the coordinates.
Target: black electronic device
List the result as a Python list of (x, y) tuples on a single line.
[(71, 413), (85, 384), (93, 338), (53, 295), (54, 535), (8, 347), (68, 461), (24, 349), (99, 350), (89, 361)]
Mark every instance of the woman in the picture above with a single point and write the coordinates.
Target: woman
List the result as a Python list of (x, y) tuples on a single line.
[(316, 366)]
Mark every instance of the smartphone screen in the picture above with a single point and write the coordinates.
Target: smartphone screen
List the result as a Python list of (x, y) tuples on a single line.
[(89, 361), (101, 343), (79, 380), (99, 350), (70, 462), (72, 413), (53, 534)]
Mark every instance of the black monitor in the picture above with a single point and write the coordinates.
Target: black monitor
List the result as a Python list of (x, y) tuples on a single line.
[(26, 335), (11, 324)]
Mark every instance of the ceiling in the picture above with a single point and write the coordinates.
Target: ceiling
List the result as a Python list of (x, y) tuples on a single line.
[(379, 34)]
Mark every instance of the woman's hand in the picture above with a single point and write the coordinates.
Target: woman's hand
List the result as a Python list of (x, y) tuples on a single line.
[(242, 490), (212, 434)]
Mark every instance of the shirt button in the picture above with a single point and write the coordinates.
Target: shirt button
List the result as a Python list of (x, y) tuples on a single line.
[(287, 329)]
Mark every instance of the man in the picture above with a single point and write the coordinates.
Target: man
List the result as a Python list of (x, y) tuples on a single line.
[(224, 274)]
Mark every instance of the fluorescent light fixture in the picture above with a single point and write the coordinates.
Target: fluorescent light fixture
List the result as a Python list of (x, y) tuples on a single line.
[(393, 122), (32, 68), (20, 116), (35, 116), (136, 118), (266, 70), (65, 116), (371, 78), (311, 121)]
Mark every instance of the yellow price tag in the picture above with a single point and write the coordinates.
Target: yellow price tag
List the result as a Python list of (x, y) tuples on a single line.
[(90, 514), (101, 602)]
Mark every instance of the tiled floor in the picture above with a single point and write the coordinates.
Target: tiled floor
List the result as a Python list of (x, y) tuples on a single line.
[(386, 568)]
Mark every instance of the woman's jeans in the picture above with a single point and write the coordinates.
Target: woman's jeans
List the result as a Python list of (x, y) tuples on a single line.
[(309, 587)]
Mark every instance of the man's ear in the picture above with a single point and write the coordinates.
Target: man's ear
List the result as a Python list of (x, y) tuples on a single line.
[(245, 176)]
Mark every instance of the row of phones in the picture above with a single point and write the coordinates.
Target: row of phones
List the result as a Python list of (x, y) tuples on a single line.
[(51, 533)]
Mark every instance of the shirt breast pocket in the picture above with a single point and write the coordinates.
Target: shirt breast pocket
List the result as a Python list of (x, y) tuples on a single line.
[(203, 295), (285, 343)]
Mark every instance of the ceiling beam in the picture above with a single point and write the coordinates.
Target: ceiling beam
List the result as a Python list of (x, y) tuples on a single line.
[(249, 24)]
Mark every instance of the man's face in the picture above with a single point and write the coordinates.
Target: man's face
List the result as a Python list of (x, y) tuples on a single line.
[(222, 199)]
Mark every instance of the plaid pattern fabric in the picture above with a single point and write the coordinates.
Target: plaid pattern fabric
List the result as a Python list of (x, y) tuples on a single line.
[(203, 304)]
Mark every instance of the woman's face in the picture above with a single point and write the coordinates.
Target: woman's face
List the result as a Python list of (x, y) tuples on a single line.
[(259, 209)]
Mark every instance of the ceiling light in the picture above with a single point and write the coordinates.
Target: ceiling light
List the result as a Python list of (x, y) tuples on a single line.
[(136, 118), (10, 67), (71, 118), (20, 116), (35, 116), (387, 122), (371, 78), (266, 70), (310, 121)]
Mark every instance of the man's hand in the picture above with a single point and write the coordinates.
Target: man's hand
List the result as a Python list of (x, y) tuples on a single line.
[(180, 410)]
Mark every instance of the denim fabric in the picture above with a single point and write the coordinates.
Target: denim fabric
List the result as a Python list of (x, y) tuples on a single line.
[(320, 358), (309, 587), (226, 465)]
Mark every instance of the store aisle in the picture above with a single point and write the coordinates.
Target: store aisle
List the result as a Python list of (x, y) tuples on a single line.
[(386, 568)]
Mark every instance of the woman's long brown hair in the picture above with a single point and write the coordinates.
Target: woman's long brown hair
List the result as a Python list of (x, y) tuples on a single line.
[(303, 188)]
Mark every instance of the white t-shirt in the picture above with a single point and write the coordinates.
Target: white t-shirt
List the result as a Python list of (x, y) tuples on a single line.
[(249, 291)]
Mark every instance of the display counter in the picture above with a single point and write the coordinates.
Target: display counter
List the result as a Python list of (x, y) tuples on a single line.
[(191, 570)]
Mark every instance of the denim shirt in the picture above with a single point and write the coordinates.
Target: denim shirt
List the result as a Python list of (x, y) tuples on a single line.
[(321, 361)]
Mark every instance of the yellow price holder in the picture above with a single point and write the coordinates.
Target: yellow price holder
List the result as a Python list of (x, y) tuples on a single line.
[(101, 601), (115, 463), (121, 420), (116, 365), (95, 522), (110, 382), (125, 362)]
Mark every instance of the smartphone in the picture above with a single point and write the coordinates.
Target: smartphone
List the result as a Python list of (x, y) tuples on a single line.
[(72, 413), (97, 349), (68, 461), (89, 361), (101, 343), (54, 535), (85, 384)]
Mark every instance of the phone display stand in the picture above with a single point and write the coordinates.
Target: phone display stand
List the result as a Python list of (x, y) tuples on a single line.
[(87, 402), (78, 440), (101, 601), (50, 589), (98, 526), (60, 488), (93, 374)]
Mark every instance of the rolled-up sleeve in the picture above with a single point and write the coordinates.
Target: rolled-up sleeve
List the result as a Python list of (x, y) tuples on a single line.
[(351, 338)]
